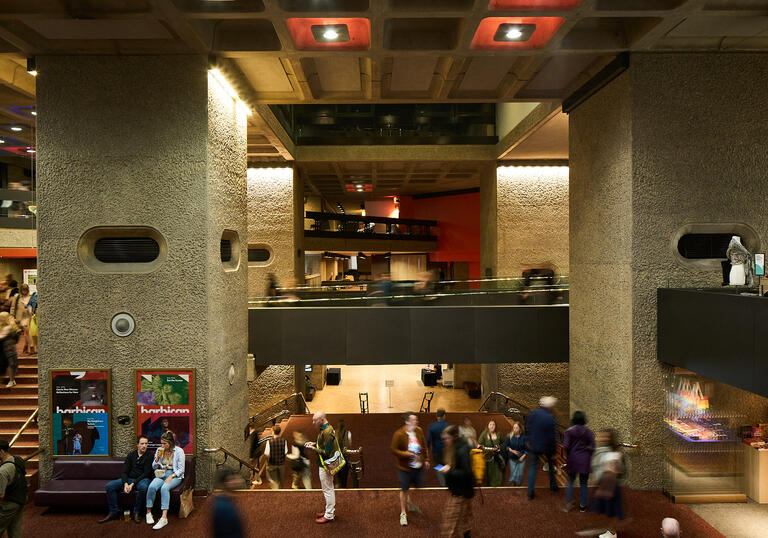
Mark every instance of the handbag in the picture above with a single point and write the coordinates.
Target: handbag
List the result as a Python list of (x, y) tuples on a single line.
[(333, 464), (33, 325), (187, 505), (160, 473)]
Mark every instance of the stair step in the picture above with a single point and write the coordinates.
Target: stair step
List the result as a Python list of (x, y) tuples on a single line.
[(21, 390), (31, 430), (11, 399)]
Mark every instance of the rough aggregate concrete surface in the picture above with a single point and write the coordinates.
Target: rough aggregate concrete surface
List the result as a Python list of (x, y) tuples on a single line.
[(125, 141), (676, 140)]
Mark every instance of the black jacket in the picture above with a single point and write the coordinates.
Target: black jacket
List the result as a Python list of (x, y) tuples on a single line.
[(138, 470), (460, 479)]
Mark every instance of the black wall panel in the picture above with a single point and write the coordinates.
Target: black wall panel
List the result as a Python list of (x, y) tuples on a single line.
[(403, 335)]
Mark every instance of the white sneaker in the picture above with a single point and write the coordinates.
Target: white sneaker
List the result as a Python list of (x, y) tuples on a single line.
[(162, 522), (403, 519), (10, 384), (150, 519), (608, 534)]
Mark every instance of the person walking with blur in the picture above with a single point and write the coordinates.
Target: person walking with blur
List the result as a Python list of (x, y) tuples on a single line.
[(409, 447), (514, 446), (541, 441), (491, 443), (457, 515), (579, 445), (435, 443), (226, 521), (299, 462), (608, 468), (22, 315), (325, 447), (276, 450), (468, 432), (345, 441), (9, 337)]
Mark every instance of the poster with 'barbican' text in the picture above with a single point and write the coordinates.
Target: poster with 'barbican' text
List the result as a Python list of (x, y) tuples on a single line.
[(165, 400), (80, 410)]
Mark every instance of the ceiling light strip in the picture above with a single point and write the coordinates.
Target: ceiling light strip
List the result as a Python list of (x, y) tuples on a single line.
[(229, 90)]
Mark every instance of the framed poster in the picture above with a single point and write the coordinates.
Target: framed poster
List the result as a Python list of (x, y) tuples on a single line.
[(80, 409), (30, 279), (165, 400), (759, 264)]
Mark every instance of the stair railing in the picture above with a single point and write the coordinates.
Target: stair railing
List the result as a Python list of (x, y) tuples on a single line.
[(519, 408), (257, 425), (32, 417)]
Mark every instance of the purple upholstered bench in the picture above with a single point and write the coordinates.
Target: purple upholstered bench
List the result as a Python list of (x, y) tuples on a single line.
[(81, 481)]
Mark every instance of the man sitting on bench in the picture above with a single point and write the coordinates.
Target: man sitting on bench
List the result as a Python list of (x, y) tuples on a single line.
[(137, 472)]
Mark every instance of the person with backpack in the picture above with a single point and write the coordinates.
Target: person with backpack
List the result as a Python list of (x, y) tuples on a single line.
[(460, 479), (13, 491), (9, 336)]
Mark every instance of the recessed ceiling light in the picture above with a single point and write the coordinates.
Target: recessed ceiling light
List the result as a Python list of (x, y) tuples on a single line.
[(330, 33), (2, 141), (15, 128), (33, 113), (514, 32), (30, 150)]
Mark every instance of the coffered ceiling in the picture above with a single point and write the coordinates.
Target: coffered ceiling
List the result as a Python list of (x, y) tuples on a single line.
[(393, 51)]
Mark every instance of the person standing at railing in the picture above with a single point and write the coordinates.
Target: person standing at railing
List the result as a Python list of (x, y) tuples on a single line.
[(542, 441), (514, 446), (579, 444), (491, 443)]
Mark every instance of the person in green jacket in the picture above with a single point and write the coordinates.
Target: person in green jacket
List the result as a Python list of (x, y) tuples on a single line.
[(491, 442)]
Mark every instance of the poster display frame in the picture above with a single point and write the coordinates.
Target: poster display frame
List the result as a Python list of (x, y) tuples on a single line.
[(190, 448), (52, 406)]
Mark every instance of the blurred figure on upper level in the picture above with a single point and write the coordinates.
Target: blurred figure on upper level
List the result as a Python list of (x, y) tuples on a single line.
[(381, 288)]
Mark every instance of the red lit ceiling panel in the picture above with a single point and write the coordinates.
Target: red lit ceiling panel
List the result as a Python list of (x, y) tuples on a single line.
[(532, 5), (545, 28), (359, 31)]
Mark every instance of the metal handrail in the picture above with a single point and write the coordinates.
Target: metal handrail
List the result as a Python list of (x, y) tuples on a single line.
[(228, 454), (32, 417), (35, 453), (518, 405), (295, 394), (271, 419)]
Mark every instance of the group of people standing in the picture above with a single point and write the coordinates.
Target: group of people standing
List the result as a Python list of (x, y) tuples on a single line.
[(18, 321)]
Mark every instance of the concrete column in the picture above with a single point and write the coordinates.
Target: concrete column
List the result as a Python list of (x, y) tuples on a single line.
[(155, 142), (275, 223), (676, 141), (531, 218)]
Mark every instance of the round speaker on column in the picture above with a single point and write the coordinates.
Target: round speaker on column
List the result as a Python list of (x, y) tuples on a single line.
[(123, 324)]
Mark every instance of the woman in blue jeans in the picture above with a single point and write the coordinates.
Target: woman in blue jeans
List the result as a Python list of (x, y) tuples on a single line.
[(579, 443), (168, 464)]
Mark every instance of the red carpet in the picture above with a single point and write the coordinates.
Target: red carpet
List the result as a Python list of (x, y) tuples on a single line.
[(365, 513)]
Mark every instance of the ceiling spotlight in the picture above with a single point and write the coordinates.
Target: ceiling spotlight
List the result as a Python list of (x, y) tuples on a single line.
[(33, 113), (514, 32), (30, 150), (2, 141), (15, 128), (330, 33)]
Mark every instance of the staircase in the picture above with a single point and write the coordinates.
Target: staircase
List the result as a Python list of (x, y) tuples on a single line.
[(16, 405)]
